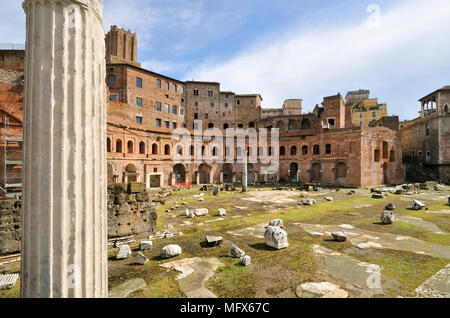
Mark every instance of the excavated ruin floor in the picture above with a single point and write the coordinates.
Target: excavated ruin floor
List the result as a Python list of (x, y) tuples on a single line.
[(409, 258)]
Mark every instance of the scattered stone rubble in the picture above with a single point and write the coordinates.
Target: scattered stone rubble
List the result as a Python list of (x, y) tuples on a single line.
[(276, 237), (387, 217), (245, 260), (309, 201), (212, 241), (170, 251), (390, 207), (417, 205), (124, 251), (141, 259), (236, 252), (339, 236), (145, 245)]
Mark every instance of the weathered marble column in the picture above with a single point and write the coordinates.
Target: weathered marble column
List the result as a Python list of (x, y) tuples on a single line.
[(244, 173), (64, 248)]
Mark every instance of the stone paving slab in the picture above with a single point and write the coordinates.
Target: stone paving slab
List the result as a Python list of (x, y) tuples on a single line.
[(420, 223), (8, 281), (127, 288), (194, 273), (437, 286), (371, 239), (365, 278)]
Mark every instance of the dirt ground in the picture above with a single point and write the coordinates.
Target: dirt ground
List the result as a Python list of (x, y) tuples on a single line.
[(410, 256)]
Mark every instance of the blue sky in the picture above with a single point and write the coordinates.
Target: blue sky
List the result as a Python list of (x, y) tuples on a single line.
[(399, 49)]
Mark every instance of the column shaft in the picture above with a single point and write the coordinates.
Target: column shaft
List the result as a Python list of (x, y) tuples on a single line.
[(64, 249)]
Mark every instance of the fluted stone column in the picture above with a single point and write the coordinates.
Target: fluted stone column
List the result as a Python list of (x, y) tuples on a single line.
[(64, 248)]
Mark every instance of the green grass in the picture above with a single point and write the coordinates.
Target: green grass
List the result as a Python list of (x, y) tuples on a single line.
[(11, 293)]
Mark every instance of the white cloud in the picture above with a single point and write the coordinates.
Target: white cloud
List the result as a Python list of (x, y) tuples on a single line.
[(412, 40)]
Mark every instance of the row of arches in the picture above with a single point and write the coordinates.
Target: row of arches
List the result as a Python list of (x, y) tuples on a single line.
[(130, 147)]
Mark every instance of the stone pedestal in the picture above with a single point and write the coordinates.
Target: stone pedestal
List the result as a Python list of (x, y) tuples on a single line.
[(64, 246)]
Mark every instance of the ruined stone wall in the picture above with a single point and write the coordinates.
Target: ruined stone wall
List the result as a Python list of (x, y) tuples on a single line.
[(10, 226), (203, 107), (128, 214), (130, 211)]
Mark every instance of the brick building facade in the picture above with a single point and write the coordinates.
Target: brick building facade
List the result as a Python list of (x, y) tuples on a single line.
[(320, 147), (426, 139)]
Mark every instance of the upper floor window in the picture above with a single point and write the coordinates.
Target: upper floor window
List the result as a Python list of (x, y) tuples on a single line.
[(158, 122), (182, 89), (166, 85), (138, 120), (139, 82), (158, 83), (374, 114), (174, 125), (195, 92), (114, 97), (181, 111), (238, 102), (158, 106), (112, 79), (175, 110), (139, 101), (316, 150), (174, 88), (251, 102), (210, 92), (327, 149), (212, 104), (166, 124), (226, 104), (166, 108)]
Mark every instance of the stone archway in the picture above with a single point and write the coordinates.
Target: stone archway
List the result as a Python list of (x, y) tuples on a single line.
[(293, 172), (227, 171), (341, 173), (131, 174), (204, 172), (315, 173), (180, 173)]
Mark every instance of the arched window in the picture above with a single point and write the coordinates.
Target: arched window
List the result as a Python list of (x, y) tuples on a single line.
[(282, 151), (239, 151), (249, 151), (271, 151), (191, 152), (305, 150), (167, 150), (119, 146), (142, 148), (203, 150), (130, 147), (214, 152), (293, 150), (445, 109), (108, 144), (154, 149)]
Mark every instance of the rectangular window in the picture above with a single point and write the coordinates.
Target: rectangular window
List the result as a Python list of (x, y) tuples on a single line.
[(181, 111), (158, 83), (206, 116), (139, 82), (158, 106), (174, 125), (139, 101), (226, 104), (210, 93), (212, 104), (195, 92), (139, 120), (182, 89), (195, 116), (158, 122), (114, 97), (196, 104), (166, 85), (175, 110), (166, 124), (112, 79), (167, 108), (174, 88), (374, 114)]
